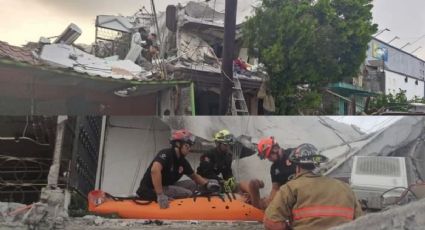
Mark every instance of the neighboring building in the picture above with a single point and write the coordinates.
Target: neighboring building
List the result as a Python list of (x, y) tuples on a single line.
[(389, 69), (344, 98)]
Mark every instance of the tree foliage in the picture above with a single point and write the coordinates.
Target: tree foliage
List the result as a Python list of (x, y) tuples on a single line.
[(313, 42), (393, 101)]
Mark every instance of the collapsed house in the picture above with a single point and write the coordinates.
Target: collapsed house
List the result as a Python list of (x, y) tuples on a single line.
[(338, 142), (191, 42), (59, 77)]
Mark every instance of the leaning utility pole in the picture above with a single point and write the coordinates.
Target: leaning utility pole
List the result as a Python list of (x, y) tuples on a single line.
[(228, 55), (160, 63), (156, 21)]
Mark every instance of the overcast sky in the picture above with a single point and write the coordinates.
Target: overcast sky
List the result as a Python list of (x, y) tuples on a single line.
[(27, 20)]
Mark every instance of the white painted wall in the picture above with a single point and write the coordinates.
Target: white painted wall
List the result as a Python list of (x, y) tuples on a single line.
[(130, 145), (395, 81), (399, 60)]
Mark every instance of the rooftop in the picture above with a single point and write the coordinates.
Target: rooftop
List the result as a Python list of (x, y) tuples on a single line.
[(18, 54)]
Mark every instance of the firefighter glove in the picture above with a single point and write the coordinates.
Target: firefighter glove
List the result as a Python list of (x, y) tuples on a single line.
[(229, 185), (212, 185), (163, 201)]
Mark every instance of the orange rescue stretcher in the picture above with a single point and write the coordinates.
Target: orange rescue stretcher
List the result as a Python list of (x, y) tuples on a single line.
[(209, 207)]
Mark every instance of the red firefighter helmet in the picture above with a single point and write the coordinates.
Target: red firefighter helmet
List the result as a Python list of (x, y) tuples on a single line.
[(182, 135), (265, 146)]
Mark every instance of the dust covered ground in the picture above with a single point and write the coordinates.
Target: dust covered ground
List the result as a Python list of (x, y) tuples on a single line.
[(410, 216), (97, 223), (112, 224)]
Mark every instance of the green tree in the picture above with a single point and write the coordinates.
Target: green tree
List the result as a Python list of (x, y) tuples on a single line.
[(309, 42), (393, 101)]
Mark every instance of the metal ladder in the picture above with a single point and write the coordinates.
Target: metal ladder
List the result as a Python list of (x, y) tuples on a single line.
[(238, 101)]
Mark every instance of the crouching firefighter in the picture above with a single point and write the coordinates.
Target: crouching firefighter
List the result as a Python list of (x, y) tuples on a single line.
[(161, 179), (216, 163), (281, 169), (311, 201)]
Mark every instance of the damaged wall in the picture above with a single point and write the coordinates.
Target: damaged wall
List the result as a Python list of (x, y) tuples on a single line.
[(289, 131), (387, 141), (132, 142)]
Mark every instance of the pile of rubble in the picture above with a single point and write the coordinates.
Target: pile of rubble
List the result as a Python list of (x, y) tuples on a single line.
[(411, 216), (12, 216)]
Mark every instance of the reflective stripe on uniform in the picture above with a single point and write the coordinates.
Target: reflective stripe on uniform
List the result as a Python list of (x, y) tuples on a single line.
[(322, 211), (273, 225)]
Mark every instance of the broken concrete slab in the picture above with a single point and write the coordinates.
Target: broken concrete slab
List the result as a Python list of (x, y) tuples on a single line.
[(411, 216), (92, 222), (99, 223), (10, 212)]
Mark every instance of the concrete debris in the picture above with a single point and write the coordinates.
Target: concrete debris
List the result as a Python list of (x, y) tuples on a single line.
[(89, 222), (385, 142), (12, 212), (202, 11), (118, 23), (195, 49), (97, 223), (411, 216), (51, 212), (67, 56), (201, 30), (245, 9)]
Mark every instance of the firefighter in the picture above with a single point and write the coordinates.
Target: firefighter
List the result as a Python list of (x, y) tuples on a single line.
[(281, 170), (161, 180), (310, 200), (217, 162)]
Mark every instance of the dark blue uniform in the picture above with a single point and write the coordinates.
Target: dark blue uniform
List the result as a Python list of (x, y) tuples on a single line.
[(173, 168), (213, 163), (279, 171)]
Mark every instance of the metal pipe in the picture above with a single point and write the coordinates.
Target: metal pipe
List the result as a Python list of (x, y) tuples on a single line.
[(156, 22), (192, 98), (100, 161)]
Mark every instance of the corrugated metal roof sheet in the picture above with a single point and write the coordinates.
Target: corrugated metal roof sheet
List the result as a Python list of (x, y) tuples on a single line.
[(16, 53), (67, 56), (118, 23)]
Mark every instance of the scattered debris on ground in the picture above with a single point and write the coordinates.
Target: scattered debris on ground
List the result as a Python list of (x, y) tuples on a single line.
[(411, 216)]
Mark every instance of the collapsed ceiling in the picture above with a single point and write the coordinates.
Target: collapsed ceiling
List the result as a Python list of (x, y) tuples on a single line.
[(141, 138)]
